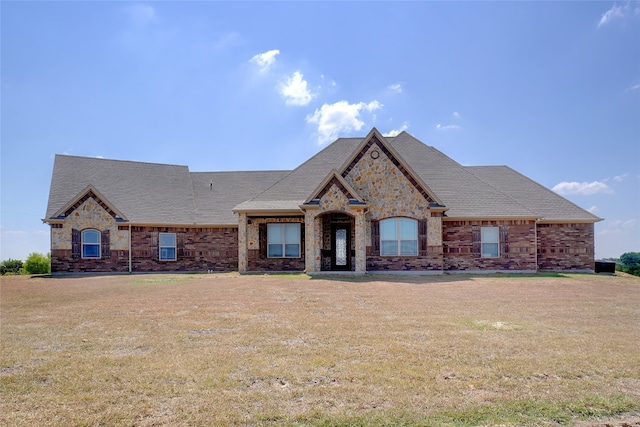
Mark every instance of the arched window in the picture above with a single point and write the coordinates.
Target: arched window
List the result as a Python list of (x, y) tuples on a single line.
[(90, 244), (399, 236)]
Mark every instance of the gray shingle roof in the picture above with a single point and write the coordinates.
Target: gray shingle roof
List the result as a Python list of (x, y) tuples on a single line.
[(148, 193), (144, 192), (462, 193), (547, 205), (214, 203), (151, 193), (294, 188)]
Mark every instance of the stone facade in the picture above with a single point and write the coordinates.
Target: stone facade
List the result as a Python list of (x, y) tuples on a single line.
[(566, 247), (387, 190), (89, 215)]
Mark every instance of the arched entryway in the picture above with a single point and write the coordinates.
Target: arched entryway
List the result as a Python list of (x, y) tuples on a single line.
[(338, 242)]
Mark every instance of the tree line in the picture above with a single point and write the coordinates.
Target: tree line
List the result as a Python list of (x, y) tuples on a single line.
[(35, 264)]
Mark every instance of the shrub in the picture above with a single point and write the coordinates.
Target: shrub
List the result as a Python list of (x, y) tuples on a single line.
[(38, 264), (11, 266), (631, 263)]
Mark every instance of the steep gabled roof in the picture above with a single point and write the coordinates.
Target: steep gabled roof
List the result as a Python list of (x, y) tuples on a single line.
[(548, 206), (151, 193), (148, 193), (81, 197), (334, 178), (374, 137), (464, 194), (296, 186)]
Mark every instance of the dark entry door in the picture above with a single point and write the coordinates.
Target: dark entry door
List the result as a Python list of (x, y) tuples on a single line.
[(341, 247)]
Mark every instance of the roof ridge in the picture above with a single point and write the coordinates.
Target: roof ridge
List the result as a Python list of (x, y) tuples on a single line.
[(121, 160)]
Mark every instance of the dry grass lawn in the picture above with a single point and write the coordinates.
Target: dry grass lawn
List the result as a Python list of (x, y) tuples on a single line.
[(178, 350)]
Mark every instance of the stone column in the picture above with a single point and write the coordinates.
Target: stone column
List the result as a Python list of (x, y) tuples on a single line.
[(361, 244), (310, 244), (242, 243)]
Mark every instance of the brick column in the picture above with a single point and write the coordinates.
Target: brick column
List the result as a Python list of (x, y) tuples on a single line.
[(243, 264)]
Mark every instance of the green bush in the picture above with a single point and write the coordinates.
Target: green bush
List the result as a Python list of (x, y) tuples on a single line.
[(631, 263), (37, 264), (11, 266)]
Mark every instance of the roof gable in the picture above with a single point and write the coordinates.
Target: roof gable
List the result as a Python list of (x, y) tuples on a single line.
[(334, 178), (375, 138), (89, 193)]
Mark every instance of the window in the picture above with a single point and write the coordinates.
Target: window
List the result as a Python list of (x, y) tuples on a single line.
[(90, 244), (490, 239), (167, 246), (283, 240), (399, 236)]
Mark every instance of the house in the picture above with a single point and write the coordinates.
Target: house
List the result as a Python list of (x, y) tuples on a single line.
[(373, 204)]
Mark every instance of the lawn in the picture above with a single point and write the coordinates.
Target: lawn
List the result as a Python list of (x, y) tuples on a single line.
[(186, 350)]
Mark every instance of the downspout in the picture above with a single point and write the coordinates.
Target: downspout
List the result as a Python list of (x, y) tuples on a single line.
[(130, 269), (535, 234)]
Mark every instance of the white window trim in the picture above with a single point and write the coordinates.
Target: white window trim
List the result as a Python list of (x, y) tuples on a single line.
[(484, 254), (174, 247), (283, 242), (83, 244), (399, 239)]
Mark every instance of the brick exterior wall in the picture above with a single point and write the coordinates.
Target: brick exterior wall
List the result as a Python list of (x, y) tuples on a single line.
[(517, 250), (199, 249), (566, 247), (431, 261), (63, 262)]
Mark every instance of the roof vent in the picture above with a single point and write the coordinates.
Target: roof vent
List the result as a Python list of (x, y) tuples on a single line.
[(211, 185)]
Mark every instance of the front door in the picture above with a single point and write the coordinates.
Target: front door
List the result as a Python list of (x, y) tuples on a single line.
[(341, 247)]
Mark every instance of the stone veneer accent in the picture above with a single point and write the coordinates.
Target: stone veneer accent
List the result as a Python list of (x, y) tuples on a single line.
[(256, 254), (89, 215), (391, 192), (386, 188), (517, 252), (566, 247)]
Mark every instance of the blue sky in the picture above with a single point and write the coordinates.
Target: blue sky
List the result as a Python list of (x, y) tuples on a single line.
[(551, 89)]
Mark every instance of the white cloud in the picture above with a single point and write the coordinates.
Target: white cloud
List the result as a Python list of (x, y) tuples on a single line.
[(594, 209), (447, 127), (581, 188), (265, 60), (634, 87), (456, 115), (620, 178), (396, 132), (618, 227), (618, 12), (338, 118), (295, 90), (396, 87), (141, 14)]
